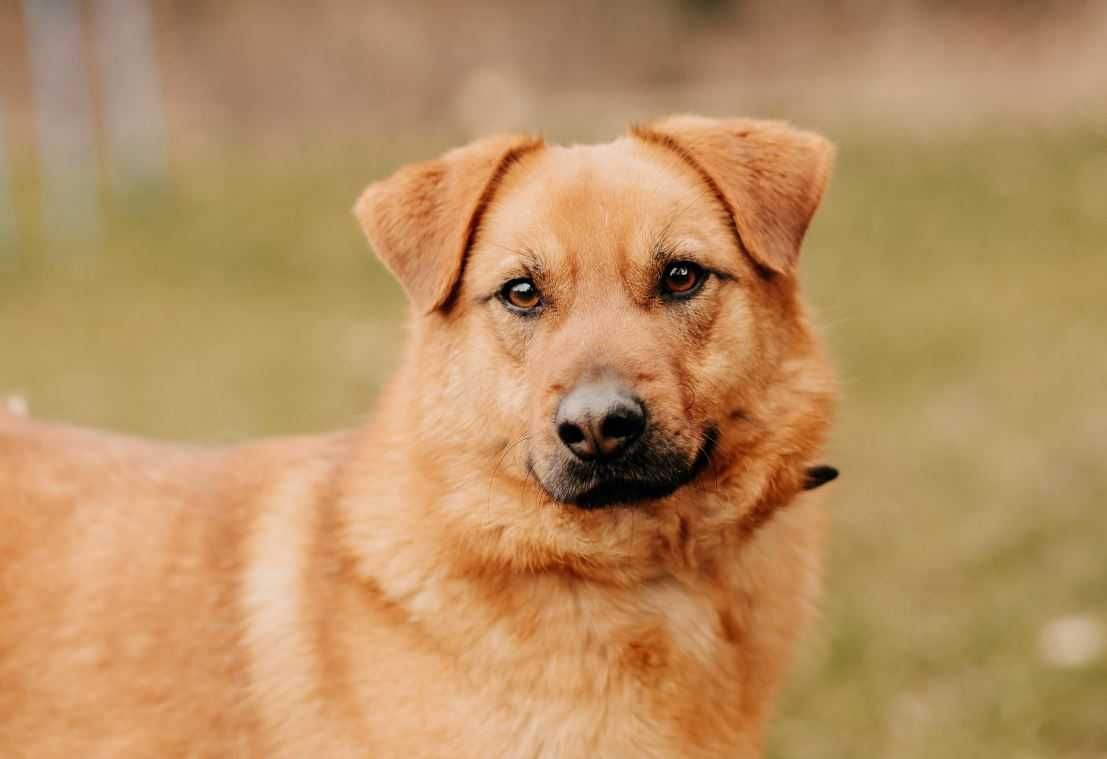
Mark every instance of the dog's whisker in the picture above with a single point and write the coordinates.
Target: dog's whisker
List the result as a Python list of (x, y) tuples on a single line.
[(499, 462)]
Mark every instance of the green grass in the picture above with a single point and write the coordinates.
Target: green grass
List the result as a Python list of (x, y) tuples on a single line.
[(962, 286)]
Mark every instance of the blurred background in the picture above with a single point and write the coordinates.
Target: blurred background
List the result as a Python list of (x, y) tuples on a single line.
[(178, 259)]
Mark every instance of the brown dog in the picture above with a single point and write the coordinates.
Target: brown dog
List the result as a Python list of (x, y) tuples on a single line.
[(563, 535)]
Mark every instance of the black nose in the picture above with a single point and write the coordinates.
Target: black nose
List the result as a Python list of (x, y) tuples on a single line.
[(597, 421)]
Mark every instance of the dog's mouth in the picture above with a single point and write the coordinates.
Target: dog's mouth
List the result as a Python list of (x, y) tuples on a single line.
[(650, 471)]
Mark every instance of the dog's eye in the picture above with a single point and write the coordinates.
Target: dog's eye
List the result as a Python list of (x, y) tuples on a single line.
[(682, 279), (521, 295)]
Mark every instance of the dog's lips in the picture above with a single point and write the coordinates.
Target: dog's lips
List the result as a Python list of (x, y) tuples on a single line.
[(652, 477)]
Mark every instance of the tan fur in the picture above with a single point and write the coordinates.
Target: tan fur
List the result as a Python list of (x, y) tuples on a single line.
[(408, 589)]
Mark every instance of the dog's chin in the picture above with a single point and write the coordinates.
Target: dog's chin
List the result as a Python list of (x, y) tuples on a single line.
[(650, 473), (617, 491)]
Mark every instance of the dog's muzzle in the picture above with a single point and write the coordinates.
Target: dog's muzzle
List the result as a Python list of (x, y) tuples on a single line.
[(649, 469)]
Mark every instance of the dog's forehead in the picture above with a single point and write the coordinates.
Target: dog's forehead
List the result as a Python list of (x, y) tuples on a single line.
[(594, 180), (587, 197)]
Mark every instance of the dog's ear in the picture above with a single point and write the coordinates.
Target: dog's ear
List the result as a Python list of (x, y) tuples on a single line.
[(769, 176), (423, 220)]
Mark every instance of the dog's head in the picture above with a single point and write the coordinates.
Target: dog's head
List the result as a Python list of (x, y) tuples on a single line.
[(614, 325)]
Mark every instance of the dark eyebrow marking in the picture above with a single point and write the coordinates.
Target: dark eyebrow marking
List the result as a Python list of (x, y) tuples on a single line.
[(531, 265), (666, 251), (530, 260)]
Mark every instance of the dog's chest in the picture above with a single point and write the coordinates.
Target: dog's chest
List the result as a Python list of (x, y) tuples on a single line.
[(657, 674)]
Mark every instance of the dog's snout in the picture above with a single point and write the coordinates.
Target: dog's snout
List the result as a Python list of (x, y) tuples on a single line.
[(598, 421)]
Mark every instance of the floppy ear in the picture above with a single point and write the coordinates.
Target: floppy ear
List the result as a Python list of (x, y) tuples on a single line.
[(769, 176), (423, 220)]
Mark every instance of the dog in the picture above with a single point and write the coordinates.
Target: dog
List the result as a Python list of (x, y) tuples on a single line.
[(577, 524)]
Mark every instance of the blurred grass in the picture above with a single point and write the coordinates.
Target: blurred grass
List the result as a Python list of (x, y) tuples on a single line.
[(962, 285)]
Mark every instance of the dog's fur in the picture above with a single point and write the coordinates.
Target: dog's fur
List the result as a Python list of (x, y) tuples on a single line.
[(412, 589)]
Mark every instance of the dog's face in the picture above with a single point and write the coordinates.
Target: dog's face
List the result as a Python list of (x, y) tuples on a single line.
[(611, 288), (614, 320)]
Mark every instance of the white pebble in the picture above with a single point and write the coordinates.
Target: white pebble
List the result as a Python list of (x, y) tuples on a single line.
[(1072, 641), (16, 404)]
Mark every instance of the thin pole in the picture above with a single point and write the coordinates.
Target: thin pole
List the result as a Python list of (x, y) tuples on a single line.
[(134, 118), (60, 86), (8, 230)]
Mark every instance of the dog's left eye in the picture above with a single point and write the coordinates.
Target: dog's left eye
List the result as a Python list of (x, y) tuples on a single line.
[(521, 295), (682, 279)]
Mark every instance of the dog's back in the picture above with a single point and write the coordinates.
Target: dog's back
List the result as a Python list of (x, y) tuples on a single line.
[(119, 606)]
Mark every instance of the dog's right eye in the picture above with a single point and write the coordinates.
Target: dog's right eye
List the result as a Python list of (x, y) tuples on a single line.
[(682, 279), (521, 295)]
